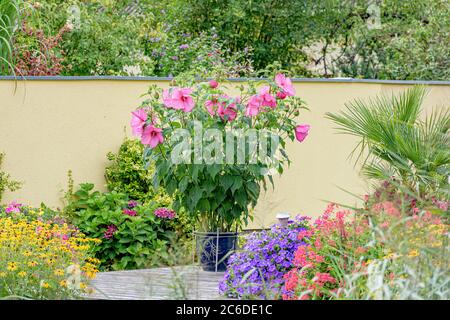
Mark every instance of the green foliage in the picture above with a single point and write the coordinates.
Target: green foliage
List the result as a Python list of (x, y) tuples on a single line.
[(104, 38), (127, 174), (389, 39), (219, 195), (136, 238), (5, 180), (411, 42), (271, 28), (9, 19), (331, 37), (400, 145), (202, 55)]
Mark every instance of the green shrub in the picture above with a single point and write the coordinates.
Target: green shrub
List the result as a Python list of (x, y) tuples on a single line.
[(130, 233), (5, 180), (104, 38), (127, 174), (203, 55), (329, 38)]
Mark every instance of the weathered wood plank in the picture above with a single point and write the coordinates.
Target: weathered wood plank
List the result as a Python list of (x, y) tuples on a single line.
[(181, 282)]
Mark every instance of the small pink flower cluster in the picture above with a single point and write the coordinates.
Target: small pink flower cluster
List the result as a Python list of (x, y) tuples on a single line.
[(258, 102), (442, 205), (109, 233), (164, 213), (13, 207), (129, 212)]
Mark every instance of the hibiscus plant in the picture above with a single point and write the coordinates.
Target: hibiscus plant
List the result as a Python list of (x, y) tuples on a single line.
[(213, 152)]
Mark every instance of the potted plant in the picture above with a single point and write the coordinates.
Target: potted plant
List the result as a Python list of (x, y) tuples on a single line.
[(213, 152)]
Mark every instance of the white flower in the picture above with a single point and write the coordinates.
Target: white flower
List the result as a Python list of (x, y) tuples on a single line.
[(132, 70)]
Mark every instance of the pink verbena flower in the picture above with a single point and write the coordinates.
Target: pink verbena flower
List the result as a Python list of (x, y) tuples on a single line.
[(164, 213), (322, 278)]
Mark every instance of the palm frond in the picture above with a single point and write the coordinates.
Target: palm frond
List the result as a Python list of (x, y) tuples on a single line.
[(397, 141)]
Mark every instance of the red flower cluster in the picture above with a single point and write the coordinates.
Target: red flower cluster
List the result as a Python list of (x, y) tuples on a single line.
[(129, 212), (312, 275), (164, 213)]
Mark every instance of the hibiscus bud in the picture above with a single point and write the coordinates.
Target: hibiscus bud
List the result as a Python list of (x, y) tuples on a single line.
[(281, 95), (213, 84), (301, 132)]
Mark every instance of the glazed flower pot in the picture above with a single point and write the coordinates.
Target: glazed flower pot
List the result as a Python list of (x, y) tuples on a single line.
[(214, 249)]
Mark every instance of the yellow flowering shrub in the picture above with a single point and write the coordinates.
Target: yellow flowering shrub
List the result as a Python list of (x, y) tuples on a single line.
[(44, 260)]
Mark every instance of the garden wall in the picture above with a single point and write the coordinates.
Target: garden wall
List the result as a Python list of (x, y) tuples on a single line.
[(50, 125)]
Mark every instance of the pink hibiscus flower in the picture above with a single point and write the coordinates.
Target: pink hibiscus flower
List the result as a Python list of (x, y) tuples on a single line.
[(285, 84), (224, 111), (152, 136), (212, 105), (267, 99), (228, 112), (138, 119), (301, 132), (179, 99), (253, 106)]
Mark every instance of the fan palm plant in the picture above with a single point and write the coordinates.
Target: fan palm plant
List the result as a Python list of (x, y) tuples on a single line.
[(9, 21), (396, 143)]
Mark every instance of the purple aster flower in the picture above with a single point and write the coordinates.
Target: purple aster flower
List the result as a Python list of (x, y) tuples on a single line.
[(257, 270), (132, 204)]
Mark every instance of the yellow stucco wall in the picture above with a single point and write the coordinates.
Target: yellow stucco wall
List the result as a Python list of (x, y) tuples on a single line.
[(49, 127)]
